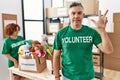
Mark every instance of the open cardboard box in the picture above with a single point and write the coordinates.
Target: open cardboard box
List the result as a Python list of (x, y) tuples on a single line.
[(35, 64)]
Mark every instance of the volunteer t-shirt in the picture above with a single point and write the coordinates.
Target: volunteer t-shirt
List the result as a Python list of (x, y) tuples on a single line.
[(76, 46), (11, 46)]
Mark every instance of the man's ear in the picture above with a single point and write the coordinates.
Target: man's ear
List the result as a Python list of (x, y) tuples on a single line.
[(83, 14)]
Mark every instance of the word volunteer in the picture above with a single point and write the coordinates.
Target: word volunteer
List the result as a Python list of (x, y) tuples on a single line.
[(79, 39)]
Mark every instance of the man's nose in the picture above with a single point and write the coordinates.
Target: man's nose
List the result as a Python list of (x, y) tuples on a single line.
[(76, 15)]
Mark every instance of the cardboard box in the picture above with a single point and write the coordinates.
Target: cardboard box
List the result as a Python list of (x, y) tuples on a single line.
[(117, 27), (54, 27), (97, 68), (51, 12), (111, 62), (96, 60), (49, 57), (56, 12), (96, 63), (115, 39), (116, 17), (90, 6), (37, 64), (62, 11)]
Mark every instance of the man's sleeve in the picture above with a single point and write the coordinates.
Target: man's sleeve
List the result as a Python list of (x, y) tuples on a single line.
[(57, 42), (97, 38)]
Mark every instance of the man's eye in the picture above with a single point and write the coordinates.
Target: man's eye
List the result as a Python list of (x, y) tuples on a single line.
[(73, 13), (79, 12)]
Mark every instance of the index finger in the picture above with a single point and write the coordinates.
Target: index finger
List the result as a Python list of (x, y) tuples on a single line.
[(99, 13), (105, 13)]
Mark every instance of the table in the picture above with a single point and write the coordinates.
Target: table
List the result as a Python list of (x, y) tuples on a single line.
[(44, 75)]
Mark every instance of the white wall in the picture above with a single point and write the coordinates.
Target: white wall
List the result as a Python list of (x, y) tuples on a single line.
[(9, 7), (113, 6)]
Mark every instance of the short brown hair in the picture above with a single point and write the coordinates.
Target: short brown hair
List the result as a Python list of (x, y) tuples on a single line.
[(11, 28), (74, 4)]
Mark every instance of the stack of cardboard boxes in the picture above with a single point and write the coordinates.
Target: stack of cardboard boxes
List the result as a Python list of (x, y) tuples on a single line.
[(112, 61)]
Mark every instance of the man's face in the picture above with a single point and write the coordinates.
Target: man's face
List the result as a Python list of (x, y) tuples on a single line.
[(76, 15)]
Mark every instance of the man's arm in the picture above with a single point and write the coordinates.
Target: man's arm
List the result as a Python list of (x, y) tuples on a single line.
[(106, 45), (56, 64)]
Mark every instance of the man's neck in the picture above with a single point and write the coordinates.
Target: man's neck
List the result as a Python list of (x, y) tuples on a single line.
[(76, 27)]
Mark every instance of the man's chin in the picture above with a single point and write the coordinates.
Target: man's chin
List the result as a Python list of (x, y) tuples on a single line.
[(76, 24)]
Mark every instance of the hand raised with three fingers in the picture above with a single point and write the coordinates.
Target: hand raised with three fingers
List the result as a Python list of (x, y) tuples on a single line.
[(102, 21)]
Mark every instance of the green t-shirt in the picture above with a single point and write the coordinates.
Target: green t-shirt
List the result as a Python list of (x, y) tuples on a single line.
[(76, 46), (11, 46)]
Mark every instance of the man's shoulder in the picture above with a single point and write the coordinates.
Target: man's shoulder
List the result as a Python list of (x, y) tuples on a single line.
[(63, 29), (88, 28)]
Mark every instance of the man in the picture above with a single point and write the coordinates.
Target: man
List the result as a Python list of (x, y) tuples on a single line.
[(75, 41)]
